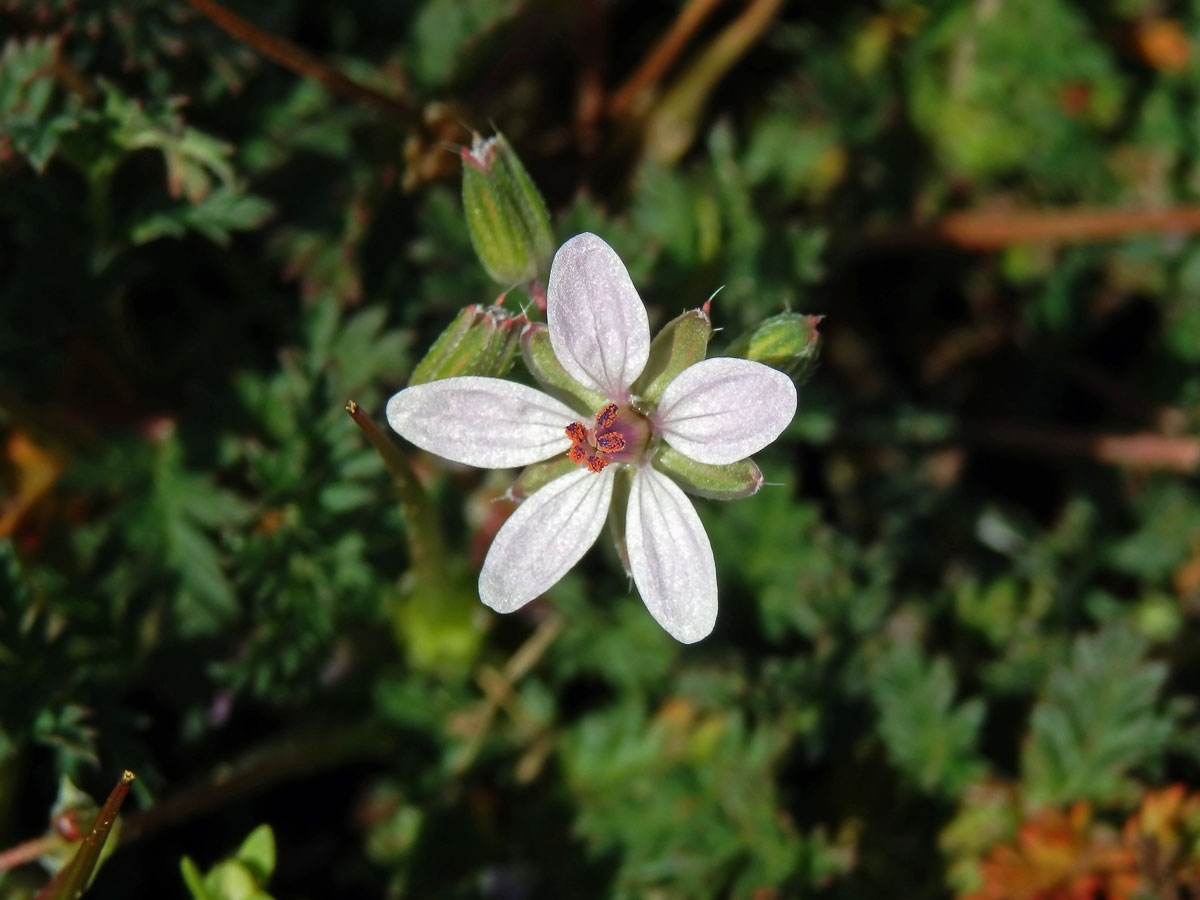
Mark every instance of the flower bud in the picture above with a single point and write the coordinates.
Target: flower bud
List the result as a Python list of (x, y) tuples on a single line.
[(788, 342), (507, 218), (480, 341), (682, 342)]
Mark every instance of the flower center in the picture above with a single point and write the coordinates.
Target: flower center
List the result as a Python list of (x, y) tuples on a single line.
[(621, 434)]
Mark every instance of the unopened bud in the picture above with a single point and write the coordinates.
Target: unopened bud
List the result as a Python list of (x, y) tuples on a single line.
[(681, 343), (507, 218), (480, 341), (789, 342)]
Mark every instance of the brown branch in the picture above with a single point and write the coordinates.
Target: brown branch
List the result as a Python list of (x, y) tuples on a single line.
[(671, 125), (661, 56), (498, 690), (997, 230), (591, 43), (286, 760), (301, 62), (29, 851), (1135, 451)]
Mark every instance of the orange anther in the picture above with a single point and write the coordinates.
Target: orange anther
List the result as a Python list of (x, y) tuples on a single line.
[(606, 416), (576, 432), (576, 454), (613, 442), (596, 463)]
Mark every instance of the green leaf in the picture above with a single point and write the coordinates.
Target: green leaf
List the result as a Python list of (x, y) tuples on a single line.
[(193, 879), (242, 876), (257, 853), (927, 736), (1098, 719), (216, 216)]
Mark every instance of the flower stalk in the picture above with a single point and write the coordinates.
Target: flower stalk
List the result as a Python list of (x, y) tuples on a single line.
[(70, 883), (421, 527)]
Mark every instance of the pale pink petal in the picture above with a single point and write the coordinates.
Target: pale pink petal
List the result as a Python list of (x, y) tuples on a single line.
[(721, 410), (483, 422), (544, 538), (598, 325), (670, 557)]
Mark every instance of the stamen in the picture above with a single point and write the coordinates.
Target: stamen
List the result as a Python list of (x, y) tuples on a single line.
[(576, 432), (606, 416), (596, 463), (613, 442), (576, 454)]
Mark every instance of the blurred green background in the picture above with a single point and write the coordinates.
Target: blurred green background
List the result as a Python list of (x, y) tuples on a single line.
[(956, 654)]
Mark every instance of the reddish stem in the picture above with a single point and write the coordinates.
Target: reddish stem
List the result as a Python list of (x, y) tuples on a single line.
[(300, 61)]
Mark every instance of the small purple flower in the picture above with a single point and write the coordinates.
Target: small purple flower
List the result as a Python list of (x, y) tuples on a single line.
[(715, 412)]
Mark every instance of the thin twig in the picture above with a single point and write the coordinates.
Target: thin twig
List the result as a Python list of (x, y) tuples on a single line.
[(671, 125), (1134, 451), (661, 57), (286, 760), (997, 230), (589, 93), (421, 525), (301, 62), (29, 851), (497, 687)]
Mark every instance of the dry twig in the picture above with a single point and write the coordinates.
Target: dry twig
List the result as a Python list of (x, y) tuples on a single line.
[(302, 62)]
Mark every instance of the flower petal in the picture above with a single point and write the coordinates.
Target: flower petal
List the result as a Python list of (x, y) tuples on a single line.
[(598, 325), (544, 538), (670, 556), (483, 422), (722, 410)]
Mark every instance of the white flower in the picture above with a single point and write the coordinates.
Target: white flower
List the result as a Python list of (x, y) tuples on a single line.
[(717, 411)]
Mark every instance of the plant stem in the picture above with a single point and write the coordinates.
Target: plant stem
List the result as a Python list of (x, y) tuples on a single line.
[(295, 756), (73, 878), (28, 851), (672, 124), (997, 230), (288, 55), (631, 95), (1135, 451), (421, 525)]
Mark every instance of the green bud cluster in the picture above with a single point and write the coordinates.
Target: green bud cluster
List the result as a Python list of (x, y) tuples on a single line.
[(507, 218), (482, 340), (789, 342)]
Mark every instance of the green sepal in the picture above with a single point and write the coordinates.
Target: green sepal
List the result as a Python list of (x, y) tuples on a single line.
[(538, 475), (544, 366), (618, 510), (482, 340), (506, 216), (789, 342), (728, 482), (681, 343)]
